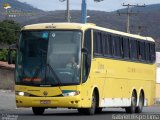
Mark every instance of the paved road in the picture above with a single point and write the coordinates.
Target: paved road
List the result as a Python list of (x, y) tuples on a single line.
[(152, 113), (8, 111)]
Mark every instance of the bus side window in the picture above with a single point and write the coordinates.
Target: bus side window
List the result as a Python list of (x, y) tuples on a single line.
[(87, 58), (152, 52), (147, 52), (113, 45), (107, 45), (97, 41), (125, 47), (133, 49), (118, 47), (142, 50)]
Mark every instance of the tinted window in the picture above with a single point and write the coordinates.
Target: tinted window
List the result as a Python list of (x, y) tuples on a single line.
[(147, 51), (125, 46), (87, 58), (133, 49), (118, 47), (107, 45), (98, 43), (87, 40), (141, 50), (152, 52)]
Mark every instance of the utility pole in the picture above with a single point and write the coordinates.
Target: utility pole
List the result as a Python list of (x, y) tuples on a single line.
[(68, 17), (68, 12), (84, 10), (129, 13)]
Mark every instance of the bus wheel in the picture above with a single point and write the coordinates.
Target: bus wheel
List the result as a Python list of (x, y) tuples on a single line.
[(140, 104), (38, 110), (98, 110), (91, 111), (81, 110), (132, 108)]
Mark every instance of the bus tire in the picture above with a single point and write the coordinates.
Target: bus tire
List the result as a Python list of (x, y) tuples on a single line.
[(132, 108), (98, 110), (81, 110), (139, 108), (38, 110), (92, 109)]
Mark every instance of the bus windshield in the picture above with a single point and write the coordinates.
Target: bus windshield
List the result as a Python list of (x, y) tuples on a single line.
[(49, 58)]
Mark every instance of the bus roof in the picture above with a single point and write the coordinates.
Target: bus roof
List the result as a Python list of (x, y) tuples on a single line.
[(79, 26)]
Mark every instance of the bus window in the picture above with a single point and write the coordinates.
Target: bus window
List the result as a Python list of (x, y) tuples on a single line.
[(87, 40), (142, 48), (117, 45), (97, 43), (133, 49), (147, 51), (113, 45), (87, 58), (125, 45), (152, 52), (107, 45)]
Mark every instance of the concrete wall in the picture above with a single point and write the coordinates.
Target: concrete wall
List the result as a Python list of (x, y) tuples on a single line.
[(7, 78)]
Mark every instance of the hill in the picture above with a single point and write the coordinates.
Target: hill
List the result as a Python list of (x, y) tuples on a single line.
[(19, 11), (15, 4), (110, 20), (147, 9), (148, 18)]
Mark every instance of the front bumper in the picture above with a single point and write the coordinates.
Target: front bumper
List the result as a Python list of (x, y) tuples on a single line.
[(64, 102)]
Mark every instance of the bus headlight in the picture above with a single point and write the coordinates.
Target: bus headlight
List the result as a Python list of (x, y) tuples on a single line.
[(22, 94), (71, 93)]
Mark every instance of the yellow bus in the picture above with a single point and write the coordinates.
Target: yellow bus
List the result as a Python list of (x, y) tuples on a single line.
[(83, 67)]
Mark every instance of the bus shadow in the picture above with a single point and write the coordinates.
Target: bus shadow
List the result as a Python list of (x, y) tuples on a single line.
[(73, 113)]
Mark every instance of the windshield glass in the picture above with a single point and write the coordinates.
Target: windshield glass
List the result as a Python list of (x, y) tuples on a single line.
[(48, 58)]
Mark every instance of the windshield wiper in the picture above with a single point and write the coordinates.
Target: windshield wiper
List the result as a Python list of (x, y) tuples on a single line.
[(54, 74), (37, 72), (43, 52)]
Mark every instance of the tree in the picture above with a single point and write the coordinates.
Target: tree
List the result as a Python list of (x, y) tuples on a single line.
[(9, 31)]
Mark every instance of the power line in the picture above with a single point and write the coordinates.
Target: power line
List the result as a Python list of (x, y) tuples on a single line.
[(140, 29), (129, 13)]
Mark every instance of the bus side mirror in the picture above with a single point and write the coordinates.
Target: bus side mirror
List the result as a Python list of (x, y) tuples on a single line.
[(11, 47), (9, 56), (85, 51)]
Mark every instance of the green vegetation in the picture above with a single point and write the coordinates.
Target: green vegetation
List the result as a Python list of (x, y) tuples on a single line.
[(9, 34), (4, 55), (9, 31)]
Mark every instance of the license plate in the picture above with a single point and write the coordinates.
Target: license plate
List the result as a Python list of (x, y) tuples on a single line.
[(45, 102)]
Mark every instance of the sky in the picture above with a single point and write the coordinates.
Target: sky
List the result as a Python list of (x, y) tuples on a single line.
[(106, 5)]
